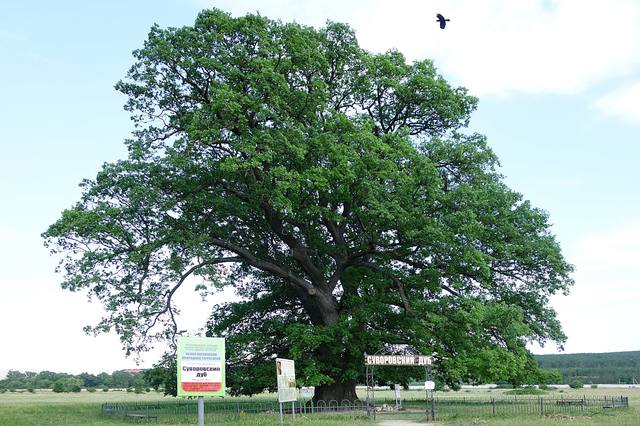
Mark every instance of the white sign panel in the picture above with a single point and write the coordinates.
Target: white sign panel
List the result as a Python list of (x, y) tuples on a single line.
[(407, 360), (286, 376), (307, 393), (429, 385)]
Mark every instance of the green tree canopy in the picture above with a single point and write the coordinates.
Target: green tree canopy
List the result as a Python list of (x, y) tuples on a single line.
[(333, 188)]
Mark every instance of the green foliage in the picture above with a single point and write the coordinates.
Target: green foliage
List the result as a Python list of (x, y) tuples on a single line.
[(46, 380), (549, 376), (164, 375), (504, 386), (105, 389), (75, 388), (526, 391), (546, 387), (608, 367), (334, 189), (91, 390), (58, 386), (576, 384)]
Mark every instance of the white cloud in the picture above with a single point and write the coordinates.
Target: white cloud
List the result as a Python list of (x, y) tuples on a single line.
[(601, 312), (496, 47), (623, 103)]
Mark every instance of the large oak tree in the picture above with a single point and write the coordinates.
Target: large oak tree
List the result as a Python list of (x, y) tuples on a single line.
[(333, 188)]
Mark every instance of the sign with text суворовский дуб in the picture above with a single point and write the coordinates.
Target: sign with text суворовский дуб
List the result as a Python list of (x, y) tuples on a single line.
[(200, 364), (398, 360), (286, 378)]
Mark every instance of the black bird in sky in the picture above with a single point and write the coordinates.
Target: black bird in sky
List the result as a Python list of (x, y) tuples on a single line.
[(443, 22)]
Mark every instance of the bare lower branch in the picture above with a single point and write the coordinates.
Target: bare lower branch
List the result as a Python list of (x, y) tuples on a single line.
[(171, 292)]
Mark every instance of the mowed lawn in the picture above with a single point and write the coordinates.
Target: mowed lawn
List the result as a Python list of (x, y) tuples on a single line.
[(48, 408)]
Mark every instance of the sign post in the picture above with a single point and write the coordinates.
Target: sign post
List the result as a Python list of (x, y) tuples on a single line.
[(396, 391), (429, 386), (201, 411), (200, 362), (286, 379), (405, 360), (307, 394)]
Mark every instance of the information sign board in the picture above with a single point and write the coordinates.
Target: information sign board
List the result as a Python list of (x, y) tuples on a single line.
[(201, 366), (286, 377)]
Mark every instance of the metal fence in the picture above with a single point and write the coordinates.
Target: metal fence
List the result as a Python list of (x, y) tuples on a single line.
[(444, 407), (154, 410), (527, 405)]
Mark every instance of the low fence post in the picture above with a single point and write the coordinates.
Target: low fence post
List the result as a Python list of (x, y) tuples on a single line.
[(493, 405)]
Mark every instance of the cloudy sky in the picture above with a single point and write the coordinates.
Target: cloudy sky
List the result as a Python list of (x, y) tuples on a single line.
[(559, 89)]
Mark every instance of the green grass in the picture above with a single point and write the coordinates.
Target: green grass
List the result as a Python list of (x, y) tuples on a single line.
[(48, 408)]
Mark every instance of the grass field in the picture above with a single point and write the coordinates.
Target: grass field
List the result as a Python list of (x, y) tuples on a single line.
[(48, 408)]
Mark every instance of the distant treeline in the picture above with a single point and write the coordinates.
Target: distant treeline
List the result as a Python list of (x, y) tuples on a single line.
[(597, 368), (69, 382), (610, 367)]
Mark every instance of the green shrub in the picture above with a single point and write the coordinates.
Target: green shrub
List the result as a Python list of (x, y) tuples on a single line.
[(58, 387), (129, 389), (138, 390), (526, 391), (546, 387), (594, 386), (105, 389), (31, 390), (91, 390), (147, 390), (576, 384), (75, 388), (504, 386), (2, 390)]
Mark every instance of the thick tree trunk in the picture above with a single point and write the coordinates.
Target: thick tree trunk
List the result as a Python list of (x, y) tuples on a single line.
[(336, 392), (323, 310)]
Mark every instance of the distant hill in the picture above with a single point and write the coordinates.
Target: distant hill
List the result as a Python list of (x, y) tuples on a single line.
[(607, 367)]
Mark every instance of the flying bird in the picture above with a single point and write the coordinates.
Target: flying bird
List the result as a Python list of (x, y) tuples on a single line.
[(443, 22)]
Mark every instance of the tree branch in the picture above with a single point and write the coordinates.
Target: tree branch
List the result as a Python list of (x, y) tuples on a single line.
[(396, 281), (171, 292), (264, 265)]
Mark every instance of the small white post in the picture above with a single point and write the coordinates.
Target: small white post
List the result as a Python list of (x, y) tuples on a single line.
[(281, 415), (293, 409), (200, 411)]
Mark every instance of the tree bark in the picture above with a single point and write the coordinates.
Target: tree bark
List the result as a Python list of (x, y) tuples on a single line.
[(336, 392)]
